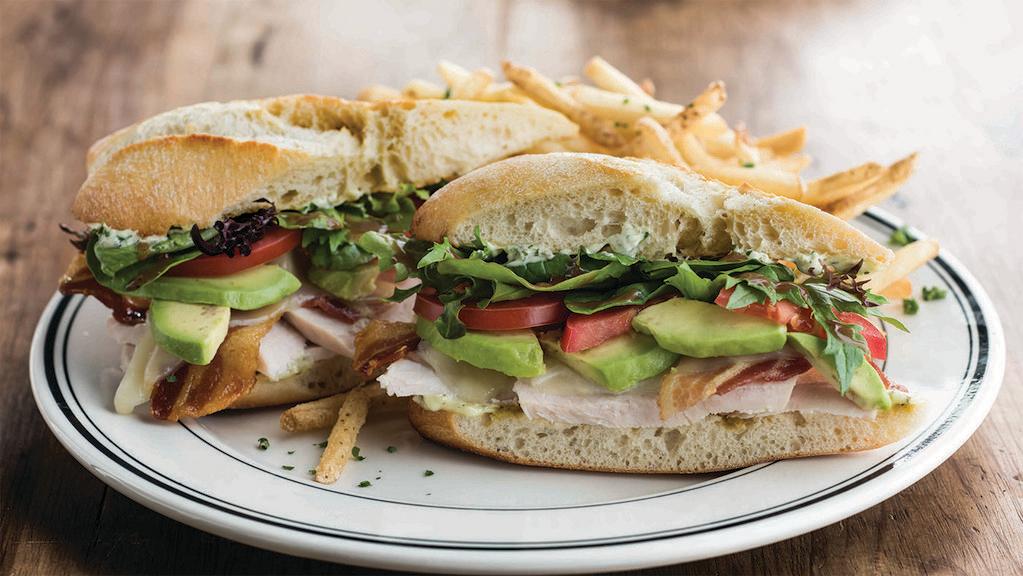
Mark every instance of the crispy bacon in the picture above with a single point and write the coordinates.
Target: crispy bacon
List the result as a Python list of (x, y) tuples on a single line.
[(333, 307), (195, 391), (78, 279), (775, 370), (381, 344), (695, 380)]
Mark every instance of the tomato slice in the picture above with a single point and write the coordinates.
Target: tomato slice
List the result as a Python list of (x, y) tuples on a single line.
[(273, 244), (782, 312), (876, 341), (585, 331), (801, 320), (536, 310)]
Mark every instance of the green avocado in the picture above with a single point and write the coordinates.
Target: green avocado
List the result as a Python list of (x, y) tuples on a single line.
[(192, 332), (868, 391), (704, 330), (346, 284), (618, 364), (515, 353), (247, 290)]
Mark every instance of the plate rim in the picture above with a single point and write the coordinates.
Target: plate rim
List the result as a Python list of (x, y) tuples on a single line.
[(862, 492)]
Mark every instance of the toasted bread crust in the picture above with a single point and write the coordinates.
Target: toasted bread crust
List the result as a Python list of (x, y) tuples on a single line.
[(561, 201), (712, 445), (197, 164)]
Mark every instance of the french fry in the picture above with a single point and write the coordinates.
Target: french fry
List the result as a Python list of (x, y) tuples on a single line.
[(784, 143), (898, 290), (707, 102), (577, 143), (906, 260), (350, 418), (475, 85), (744, 152), (505, 92), (763, 178), (612, 79), (830, 189), (648, 86), (622, 108), (422, 89), (794, 163), (852, 206), (547, 94), (452, 73), (655, 143), (464, 85), (377, 92), (322, 413)]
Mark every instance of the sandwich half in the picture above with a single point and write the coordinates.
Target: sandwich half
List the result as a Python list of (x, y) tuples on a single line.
[(595, 313), (243, 245)]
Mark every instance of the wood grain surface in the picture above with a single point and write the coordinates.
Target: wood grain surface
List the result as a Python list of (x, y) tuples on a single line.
[(872, 80)]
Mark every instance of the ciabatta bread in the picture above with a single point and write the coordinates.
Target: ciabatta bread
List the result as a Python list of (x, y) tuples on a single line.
[(562, 201), (710, 445), (200, 163), (323, 378)]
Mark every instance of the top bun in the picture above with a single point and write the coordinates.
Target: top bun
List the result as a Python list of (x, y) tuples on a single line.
[(201, 163), (563, 201)]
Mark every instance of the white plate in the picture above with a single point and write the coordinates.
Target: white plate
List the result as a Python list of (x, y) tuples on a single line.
[(474, 514)]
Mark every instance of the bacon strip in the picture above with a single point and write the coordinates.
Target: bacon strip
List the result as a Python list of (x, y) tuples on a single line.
[(195, 391), (694, 380), (333, 307), (78, 279), (381, 344)]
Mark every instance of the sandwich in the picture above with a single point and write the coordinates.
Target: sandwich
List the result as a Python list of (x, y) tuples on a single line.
[(596, 313), (241, 246)]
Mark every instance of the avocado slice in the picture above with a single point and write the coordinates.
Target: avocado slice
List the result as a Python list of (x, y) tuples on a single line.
[(192, 332), (247, 290), (346, 284), (868, 391), (515, 353), (704, 330), (619, 363)]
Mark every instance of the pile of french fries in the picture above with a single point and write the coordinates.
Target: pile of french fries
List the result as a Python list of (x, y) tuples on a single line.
[(619, 116)]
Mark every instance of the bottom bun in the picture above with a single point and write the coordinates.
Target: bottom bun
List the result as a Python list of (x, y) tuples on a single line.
[(323, 378), (713, 444)]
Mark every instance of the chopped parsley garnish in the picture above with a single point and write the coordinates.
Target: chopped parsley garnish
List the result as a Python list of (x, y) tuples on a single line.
[(263, 444), (288, 467), (646, 107), (901, 237), (364, 484), (621, 124), (172, 378), (392, 449), (910, 306), (625, 101), (321, 444), (447, 93), (355, 454), (934, 293), (312, 471), (428, 473), (291, 451), (748, 164)]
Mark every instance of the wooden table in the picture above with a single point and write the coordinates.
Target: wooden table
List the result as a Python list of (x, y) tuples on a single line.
[(873, 80)]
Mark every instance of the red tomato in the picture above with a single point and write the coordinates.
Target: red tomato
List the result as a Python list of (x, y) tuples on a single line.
[(585, 331), (537, 310), (275, 243), (801, 320), (782, 312), (876, 341)]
